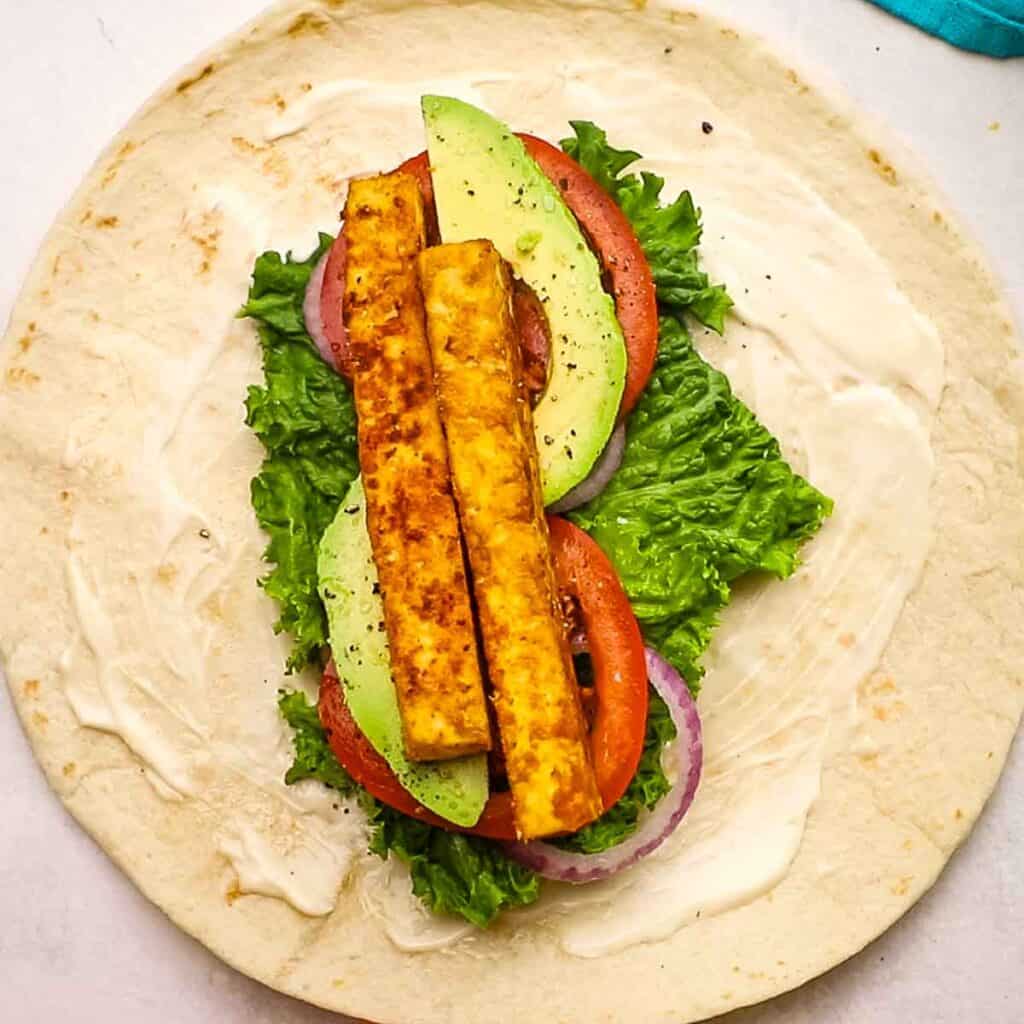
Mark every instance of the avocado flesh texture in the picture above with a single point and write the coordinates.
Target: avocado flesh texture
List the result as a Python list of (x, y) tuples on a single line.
[(487, 186), (456, 790)]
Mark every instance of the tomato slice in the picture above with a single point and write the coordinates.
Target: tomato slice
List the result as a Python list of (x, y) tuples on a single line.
[(332, 294), (616, 648), (620, 685), (615, 243)]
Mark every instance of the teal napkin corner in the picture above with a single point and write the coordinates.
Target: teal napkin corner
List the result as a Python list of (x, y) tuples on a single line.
[(993, 27)]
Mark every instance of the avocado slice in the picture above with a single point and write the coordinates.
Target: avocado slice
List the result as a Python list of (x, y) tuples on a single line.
[(487, 186), (456, 790)]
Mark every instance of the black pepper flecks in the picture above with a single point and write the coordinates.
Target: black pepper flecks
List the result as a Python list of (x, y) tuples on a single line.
[(707, 127), (204, 533), (351, 510), (548, 439)]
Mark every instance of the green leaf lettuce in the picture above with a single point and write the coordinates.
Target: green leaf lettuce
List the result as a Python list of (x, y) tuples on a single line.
[(703, 494), (305, 417)]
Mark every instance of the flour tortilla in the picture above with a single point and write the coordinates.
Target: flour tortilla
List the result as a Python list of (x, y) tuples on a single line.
[(127, 309)]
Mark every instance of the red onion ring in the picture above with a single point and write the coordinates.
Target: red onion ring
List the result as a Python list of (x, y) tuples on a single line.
[(597, 479), (312, 311), (565, 866)]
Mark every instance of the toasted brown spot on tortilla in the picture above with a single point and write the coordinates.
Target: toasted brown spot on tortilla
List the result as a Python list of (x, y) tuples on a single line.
[(187, 83), (280, 104), (69, 768), (306, 86), (329, 182), (883, 712), (94, 316), (65, 495), (308, 23), (40, 720), (795, 79), (276, 167), (958, 814), (868, 760), (167, 573), (206, 237), (86, 217), (639, 4), (876, 685), (902, 886), (244, 145), (232, 894), (31, 687), (25, 342), (937, 217), (19, 375), (885, 170), (213, 607), (107, 222), (729, 33), (994, 126), (126, 150)]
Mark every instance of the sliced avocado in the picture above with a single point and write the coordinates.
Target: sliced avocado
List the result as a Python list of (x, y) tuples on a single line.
[(487, 186), (456, 790)]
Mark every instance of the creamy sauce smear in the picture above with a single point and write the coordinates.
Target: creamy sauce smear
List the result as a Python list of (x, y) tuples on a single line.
[(822, 345)]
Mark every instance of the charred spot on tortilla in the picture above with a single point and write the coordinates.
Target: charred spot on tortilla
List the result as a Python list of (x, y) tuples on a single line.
[(186, 84)]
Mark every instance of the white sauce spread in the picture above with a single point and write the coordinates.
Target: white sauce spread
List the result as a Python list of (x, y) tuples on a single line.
[(823, 346)]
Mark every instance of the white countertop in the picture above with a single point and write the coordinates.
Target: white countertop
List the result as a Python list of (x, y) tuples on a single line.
[(78, 944)]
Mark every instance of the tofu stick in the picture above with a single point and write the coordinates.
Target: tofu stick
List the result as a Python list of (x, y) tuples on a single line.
[(411, 513), (493, 455)]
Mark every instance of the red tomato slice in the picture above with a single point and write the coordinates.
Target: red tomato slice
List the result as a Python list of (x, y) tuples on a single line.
[(620, 684), (331, 297), (615, 243), (616, 651)]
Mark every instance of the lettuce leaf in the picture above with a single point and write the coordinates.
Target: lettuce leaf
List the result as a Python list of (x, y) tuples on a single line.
[(649, 785), (314, 758), (305, 417), (451, 873), (703, 495), (669, 235)]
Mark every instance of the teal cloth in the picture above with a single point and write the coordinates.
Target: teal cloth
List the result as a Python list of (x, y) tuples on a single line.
[(993, 27)]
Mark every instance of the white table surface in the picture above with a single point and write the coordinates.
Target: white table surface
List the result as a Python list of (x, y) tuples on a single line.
[(78, 944)]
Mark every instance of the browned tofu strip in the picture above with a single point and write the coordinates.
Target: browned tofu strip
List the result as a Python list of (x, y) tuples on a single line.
[(411, 514), (493, 455)]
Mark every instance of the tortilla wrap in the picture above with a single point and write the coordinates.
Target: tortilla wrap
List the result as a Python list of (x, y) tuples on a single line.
[(140, 651)]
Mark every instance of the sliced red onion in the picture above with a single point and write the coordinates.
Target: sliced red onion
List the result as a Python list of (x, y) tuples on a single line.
[(565, 866), (312, 312), (597, 479)]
